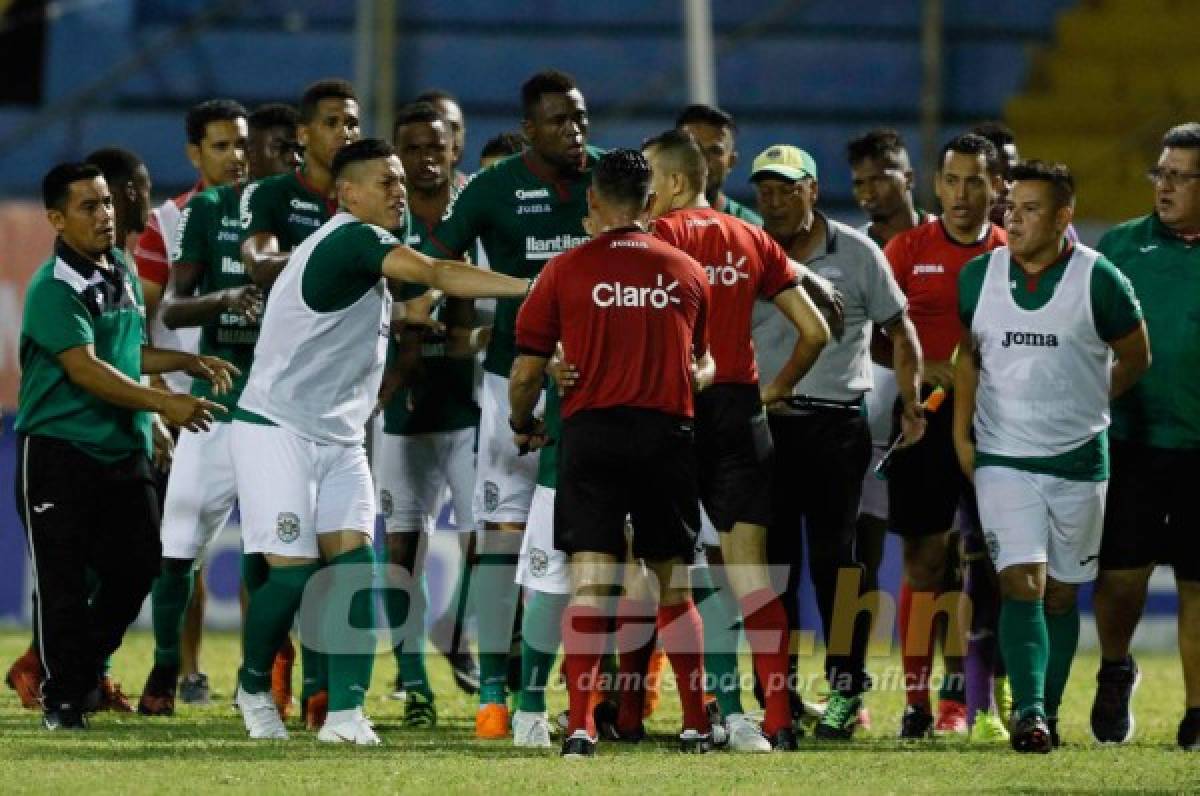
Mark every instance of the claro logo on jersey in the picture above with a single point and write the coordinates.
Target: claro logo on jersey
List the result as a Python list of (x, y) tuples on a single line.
[(615, 294), (1029, 339), (729, 274), (545, 248)]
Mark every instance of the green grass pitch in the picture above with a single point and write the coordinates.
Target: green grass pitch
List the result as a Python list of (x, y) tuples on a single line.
[(205, 749)]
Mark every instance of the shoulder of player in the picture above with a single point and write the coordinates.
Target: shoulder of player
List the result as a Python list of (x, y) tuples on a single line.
[(1127, 235), (975, 269), (851, 240)]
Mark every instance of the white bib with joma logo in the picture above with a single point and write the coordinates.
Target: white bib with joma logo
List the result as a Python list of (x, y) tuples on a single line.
[(1044, 374)]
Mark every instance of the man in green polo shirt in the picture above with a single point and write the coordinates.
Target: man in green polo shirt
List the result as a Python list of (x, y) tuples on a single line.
[(1153, 514), (85, 487), (715, 131), (1044, 319), (524, 210)]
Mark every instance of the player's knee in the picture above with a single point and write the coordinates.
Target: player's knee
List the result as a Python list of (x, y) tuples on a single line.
[(1022, 582), (1060, 598)]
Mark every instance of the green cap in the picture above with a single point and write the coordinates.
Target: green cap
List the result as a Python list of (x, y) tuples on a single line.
[(790, 162)]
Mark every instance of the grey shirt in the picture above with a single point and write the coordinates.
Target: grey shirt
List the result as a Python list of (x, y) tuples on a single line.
[(857, 267)]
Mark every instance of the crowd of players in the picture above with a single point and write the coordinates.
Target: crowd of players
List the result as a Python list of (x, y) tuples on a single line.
[(654, 347)]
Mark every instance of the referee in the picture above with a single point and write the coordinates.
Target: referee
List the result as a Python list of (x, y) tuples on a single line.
[(85, 489)]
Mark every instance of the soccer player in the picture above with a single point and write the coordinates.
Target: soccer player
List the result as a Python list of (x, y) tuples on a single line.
[(524, 210), (623, 297), (733, 445), (216, 133), (715, 132), (925, 485), (303, 482), (86, 494), (1033, 381), (1151, 514), (271, 147), (429, 424), (277, 214), (447, 105), (821, 435)]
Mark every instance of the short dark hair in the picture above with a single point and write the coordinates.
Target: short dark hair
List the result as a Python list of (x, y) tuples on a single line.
[(330, 88), (57, 182), (358, 151), (434, 95), (503, 145), (681, 147), (972, 144), (1183, 136), (1062, 184), (273, 114), (414, 112), (623, 175), (882, 144), (209, 111), (117, 165), (705, 114), (549, 81), (997, 132)]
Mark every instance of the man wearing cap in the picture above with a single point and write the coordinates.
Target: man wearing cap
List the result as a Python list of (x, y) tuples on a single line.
[(821, 436)]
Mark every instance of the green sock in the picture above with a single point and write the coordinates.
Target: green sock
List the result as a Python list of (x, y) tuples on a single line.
[(412, 660), (169, 598), (494, 597), (719, 610), (541, 635), (348, 627), (269, 616), (397, 602), (314, 667), (254, 571), (1026, 646), (1062, 630)]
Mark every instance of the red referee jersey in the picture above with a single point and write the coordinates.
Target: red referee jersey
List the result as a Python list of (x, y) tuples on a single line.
[(630, 311), (742, 263), (926, 262)]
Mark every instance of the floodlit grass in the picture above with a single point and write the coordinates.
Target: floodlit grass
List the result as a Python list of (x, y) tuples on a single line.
[(205, 749)]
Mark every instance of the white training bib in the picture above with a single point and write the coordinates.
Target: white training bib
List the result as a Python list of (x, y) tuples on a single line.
[(317, 374), (1044, 374)]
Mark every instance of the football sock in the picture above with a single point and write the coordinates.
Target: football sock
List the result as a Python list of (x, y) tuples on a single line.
[(917, 659), (1062, 631), (541, 635), (254, 571), (169, 598), (584, 628), (682, 634), (719, 610), (980, 664), (349, 627), (767, 633), (1026, 646), (494, 596), (636, 639), (269, 616)]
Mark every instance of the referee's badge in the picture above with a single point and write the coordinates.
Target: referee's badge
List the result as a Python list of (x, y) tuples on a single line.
[(287, 527), (539, 563)]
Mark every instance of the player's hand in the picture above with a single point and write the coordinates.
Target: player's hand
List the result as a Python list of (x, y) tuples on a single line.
[(215, 371), (246, 301), (912, 424), (164, 443), (938, 374), (190, 412), (534, 437), (774, 393), (393, 380), (828, 300), (965, 450), (565, 375)]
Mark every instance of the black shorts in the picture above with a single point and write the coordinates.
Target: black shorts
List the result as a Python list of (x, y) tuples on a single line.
[(622, 461), (733, 455), (924, 482), (1152, 516)]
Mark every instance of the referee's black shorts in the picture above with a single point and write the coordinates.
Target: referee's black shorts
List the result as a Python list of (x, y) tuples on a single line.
[(625, 461), (734, 455), (925, 483), (1152, 514)]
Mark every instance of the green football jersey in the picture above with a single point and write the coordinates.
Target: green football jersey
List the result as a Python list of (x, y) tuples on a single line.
[(210, 237), (70, 302), (1115, 313), (1163, 408), (445, 398), (522, 217), (286, 206), (548, 457)]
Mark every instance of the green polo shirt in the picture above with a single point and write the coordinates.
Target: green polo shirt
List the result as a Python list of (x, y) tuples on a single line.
[(71, 302), (1115, 313), (1163, 408), (209, 237), (523, 217), (286, 206)]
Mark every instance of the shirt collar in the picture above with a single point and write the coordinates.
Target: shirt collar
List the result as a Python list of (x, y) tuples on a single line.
[(83, 265)]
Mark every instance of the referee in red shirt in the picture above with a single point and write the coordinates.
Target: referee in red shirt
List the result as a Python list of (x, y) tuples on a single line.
[(631, 313)]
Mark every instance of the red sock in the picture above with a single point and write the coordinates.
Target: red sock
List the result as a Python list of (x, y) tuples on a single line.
[(917, 662), (766, 623), (635, 643), (682, 633), (584, 629)]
